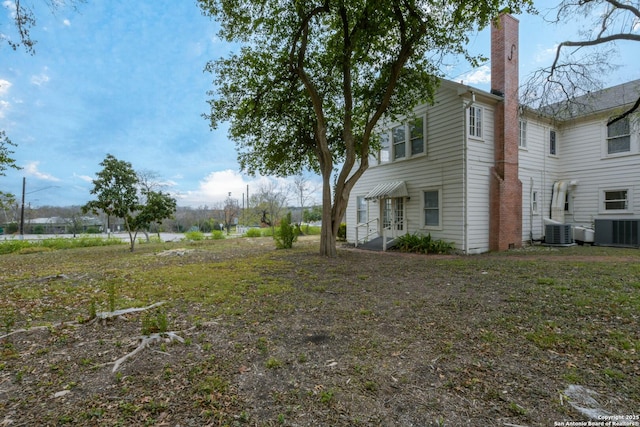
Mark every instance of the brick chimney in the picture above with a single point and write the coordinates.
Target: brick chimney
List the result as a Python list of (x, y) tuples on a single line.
[(505, 223)]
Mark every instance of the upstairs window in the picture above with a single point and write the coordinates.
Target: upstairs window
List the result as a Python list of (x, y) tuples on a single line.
[(553, 143), (402, 142), (399, 142), (475, 122), (619, 137), (522, 142), (416, 134), (383, 155)]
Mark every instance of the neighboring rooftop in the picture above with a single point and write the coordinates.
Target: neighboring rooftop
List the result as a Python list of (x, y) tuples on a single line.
[(623, 95)]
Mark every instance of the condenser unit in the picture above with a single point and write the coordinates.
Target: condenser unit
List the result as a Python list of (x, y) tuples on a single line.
[(558, 234), (617, 232)]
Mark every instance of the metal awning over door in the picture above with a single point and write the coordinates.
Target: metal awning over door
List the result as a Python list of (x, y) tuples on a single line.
[(388, 190)]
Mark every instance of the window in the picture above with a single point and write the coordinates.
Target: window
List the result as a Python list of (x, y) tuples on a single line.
[(416, 134), (432, 208), (383, 156), (386, 213), (402, 142), (399, 142), (619, 137), (553, 146), (523, 134), (362, 210), (475, 122), (616, 200), (534, 202), (399, 213)]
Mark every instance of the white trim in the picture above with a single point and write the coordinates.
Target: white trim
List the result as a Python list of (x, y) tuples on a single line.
[(478, 134), (440, 207), (601, 201)]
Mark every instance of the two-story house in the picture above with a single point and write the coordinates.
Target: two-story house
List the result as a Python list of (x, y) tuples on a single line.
[(479, 170)]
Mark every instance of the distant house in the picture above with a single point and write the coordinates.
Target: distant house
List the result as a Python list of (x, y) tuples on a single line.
[(60, 225), (479, 170)]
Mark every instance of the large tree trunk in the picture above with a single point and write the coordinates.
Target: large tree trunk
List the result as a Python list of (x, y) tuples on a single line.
[(327, 234)]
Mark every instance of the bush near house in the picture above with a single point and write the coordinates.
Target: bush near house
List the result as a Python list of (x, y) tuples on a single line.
[(424, 244)]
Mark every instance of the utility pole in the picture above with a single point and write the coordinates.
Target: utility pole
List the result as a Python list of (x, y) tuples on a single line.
[(24, 184)]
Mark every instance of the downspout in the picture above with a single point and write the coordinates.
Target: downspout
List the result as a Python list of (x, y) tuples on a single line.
[(465, 193), (531, 211)]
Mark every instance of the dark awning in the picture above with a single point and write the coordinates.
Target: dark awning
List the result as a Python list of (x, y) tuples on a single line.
[(388, 190)]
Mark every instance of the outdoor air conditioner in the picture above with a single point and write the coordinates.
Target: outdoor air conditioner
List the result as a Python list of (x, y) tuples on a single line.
[(617, 232), (558, 234)]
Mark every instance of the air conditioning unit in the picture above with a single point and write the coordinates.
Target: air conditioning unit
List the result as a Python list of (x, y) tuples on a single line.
[(617, 232), (558, 234)]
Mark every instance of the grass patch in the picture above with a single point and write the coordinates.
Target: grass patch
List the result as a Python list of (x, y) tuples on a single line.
[(311, 340)]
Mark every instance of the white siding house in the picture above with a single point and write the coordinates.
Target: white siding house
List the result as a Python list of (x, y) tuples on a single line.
[(475, 164)]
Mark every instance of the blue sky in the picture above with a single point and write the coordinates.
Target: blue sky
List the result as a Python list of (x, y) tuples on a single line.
[(126, 78)]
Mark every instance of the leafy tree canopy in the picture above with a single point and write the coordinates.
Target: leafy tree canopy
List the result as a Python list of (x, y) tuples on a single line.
[(313, 78), (6, 161), (121, 193)]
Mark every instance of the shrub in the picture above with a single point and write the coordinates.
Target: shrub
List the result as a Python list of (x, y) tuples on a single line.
[(286, 234), (217, 235), (342, 232), (253, 232), (194, 235), (419, 243)]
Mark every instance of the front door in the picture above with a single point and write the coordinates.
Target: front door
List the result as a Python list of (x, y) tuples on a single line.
[(392, 217)]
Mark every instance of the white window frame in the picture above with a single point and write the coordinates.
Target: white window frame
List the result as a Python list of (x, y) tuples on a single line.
[(611, 138), (475, 122), (388, 149), (361, 210), (628, 200), (424, 208), (423, 135), (522, 140), (384, 155), (399, 143), (553, 147), (534, 202)]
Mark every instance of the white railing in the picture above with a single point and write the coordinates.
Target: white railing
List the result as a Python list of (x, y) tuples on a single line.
[(370, 228), (393, 232)]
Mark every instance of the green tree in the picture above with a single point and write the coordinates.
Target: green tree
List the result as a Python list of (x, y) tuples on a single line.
[(117, 191), (286, 234), (24, 19), (6, 161), (314, 77)]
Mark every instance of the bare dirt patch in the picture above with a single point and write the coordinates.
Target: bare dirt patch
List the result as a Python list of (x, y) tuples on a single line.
[(368, 339)]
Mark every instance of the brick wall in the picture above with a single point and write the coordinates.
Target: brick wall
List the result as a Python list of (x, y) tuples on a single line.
[(505, 225)]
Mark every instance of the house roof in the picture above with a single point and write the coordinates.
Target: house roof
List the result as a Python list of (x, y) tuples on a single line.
[(596, 102), (388, 190)]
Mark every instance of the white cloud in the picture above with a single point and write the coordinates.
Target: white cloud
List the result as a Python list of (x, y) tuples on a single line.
[(66, 22), (4, 107), (85, 178), (477, 76), (5, 85), (32, 170), (40, 79), (216, 186), (545, 55)]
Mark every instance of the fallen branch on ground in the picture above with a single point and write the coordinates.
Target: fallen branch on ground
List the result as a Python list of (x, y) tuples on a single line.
[(105, 315), (146, 341)]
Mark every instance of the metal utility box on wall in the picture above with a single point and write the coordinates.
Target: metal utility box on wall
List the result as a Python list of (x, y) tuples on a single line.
[(617, 232), (558, 234)]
